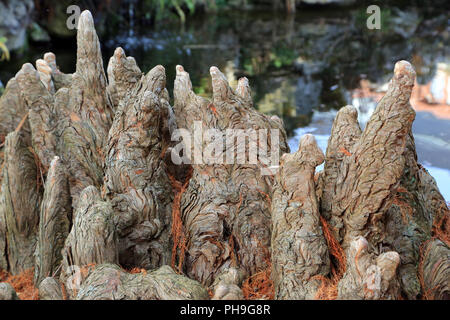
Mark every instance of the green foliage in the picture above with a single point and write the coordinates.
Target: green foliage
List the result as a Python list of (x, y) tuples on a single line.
[(170, 8), (163, 9), (4, 49), (282, 57)]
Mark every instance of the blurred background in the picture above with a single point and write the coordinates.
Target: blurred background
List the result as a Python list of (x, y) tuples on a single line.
[(304, 58)]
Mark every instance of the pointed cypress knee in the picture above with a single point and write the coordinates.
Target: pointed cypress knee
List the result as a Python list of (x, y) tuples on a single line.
[(299, 249)]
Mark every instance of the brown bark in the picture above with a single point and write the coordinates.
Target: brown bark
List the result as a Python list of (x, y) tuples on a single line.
[(369, 174), (299, 249), (372, 225), (224, 209), (435, 270), (344, 134), (54, 224), (109, 282)]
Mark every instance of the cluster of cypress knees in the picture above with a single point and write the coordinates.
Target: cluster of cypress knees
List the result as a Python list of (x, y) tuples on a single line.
[(89, 192)]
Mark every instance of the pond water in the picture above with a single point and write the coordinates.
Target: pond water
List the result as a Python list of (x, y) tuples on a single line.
[(302, 68)]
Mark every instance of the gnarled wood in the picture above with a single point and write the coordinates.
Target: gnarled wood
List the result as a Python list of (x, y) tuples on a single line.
[(93, 238), (109, 282), (136, 177), (224, 209), (54, 224), (41, 118), (89, 113), (435, 269), (123, 75), (50, 289), (368, 177), (19, 203), (299, 249), (369, 277)]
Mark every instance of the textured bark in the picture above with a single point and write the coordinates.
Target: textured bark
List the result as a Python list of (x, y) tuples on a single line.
[(109, 282), (45, 75), (227, 285), (59, 79), (54, 224), (436, 270), (367, 178), (372, 225), (50, 289), (299, 249), (90, 112), (369, 277), (92, 239), (12, 110), (19, 204), (3, 254), (136, 177), (7, 292), (344, 134), (123, 75), (224, 209), (41, 118)]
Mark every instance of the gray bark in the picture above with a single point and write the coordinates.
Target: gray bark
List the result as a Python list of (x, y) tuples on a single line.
[(89, 113), (50, 289), (109, 282), (299, 249), (54, 224), (136, 176), (225, 208), (93, 238), (19, 204), (7, 292)]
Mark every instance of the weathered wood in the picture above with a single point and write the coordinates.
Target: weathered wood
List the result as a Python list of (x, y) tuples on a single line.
[(371, 225), (89, 112), (12, 110), (435, 269), (41, 118), (92, 239), (59, 79), (7, 292), (369, 277), (19, 203), (225, 210), (299, 249), (136, 177), (368, 177), (50, 289), (344, 135), (123, 75), (54, 224), (227, 285), (109, 282)]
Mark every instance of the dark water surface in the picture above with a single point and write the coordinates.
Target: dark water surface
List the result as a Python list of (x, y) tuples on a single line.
[(302, 68)]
